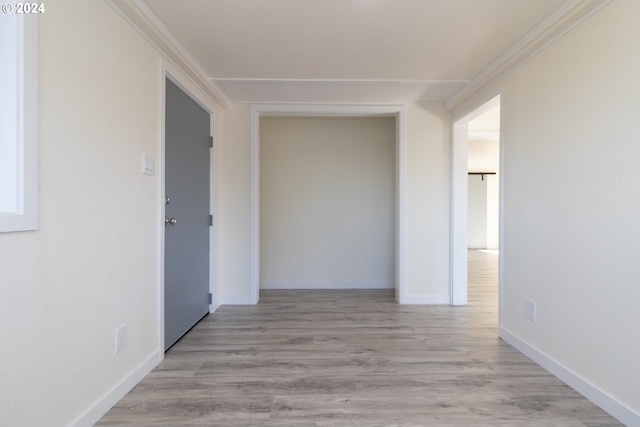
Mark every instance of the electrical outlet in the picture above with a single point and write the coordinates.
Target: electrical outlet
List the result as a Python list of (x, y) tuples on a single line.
[(121, 338), (531, 310)]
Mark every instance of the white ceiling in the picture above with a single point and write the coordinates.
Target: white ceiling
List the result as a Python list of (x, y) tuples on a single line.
[(350, 51)]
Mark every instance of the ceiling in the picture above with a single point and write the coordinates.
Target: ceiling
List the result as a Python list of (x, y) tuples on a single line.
[(350, 51)]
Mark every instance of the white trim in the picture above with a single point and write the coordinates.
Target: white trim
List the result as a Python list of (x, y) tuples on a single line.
[(459, 220), (401, 172), (372, 284), (212, 211), (398, 82), (568, 16), (326, 110), (117, 392), (501, 175), (254, 268), (596, 395), (160, 160), (26, 215), (235, 300), (426, 299)]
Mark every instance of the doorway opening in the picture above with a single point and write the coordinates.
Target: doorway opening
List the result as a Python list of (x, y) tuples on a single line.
[(395, 113), (476, 190)]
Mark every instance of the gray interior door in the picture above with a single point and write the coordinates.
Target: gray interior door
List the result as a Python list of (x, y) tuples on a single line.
[(186, 259)]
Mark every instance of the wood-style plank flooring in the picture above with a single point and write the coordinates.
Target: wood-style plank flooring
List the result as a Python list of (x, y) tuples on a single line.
[(354, 358)]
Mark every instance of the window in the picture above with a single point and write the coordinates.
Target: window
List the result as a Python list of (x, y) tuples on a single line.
[(18, 122)]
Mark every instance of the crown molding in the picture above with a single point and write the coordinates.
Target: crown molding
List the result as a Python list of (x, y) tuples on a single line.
[(151, 28), (568, 16), (231, 80)]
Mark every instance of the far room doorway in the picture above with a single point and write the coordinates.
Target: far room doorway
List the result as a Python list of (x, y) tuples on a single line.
[(327, 191), (483, 208), (475, 196)]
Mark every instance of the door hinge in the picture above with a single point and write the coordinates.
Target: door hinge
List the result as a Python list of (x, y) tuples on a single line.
[(210, 298), (210, 142), (210, 220)]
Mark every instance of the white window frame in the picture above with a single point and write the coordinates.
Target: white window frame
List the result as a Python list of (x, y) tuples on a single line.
[(24, 146)]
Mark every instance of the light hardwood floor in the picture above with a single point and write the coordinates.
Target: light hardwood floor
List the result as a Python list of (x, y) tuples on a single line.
[(354, 358)]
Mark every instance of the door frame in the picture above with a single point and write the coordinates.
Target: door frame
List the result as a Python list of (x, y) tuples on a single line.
[(168, 71), (460, 194), (314, 110)]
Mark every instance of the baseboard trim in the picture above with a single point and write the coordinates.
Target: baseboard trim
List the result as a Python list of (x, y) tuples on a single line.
[(375, 284), (106, 402), (426, 299), (608, 403), (236, 300)]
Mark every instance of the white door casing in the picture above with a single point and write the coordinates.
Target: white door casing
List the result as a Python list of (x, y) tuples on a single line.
[(319, 111)]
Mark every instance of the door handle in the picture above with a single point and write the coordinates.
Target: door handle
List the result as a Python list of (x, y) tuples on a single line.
[(170, 221)]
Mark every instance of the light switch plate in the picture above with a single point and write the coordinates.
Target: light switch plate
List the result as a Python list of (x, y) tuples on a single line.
[(147, 164)]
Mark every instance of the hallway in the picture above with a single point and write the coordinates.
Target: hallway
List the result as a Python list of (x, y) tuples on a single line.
[(354, 358)]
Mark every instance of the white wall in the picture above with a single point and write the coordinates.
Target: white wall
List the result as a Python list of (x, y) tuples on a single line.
[(571, 202), (484, 195), (483, 212), (93, 264), (427, 214), (426, 209), (493, 211), (327, 202), (234, 206), (484, 154), (477, 212)]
